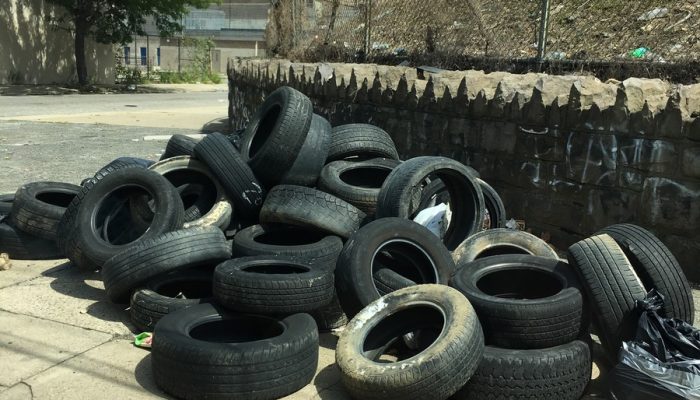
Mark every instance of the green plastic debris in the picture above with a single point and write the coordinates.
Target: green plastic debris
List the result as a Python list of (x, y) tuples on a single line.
[(143, 340), (639, 52)]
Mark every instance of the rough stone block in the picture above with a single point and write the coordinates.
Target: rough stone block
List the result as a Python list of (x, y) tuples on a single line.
[(525, 174), (632, 179), (693, 129), (604, 206), (535, 143), (592, 158), (687, 252), (691, 162), (648, 155), (671, 204), (499, 137)]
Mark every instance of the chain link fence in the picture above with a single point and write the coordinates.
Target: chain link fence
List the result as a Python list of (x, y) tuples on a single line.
[(515, 34)]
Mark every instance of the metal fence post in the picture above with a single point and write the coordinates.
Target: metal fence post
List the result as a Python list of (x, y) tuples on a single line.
[(544, 27), (368, 27)]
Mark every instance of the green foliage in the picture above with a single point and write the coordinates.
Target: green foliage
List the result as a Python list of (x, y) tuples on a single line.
[(111, 21)]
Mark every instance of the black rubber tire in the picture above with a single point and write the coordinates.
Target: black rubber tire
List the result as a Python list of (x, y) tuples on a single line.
[(6, 201), (85, 246), (494, 205), (331, 316), (437, 371), (387, 280), (272, 285), (358, 183), (274, 138), (168, 293), (360, 142), (172, 251), (317, 249), (401, 194), (402, 245), (210, 207), (237, 356), (501, 241), (39, 206), (312, 156), (66, 225), (657, 268), (310, 208), (611, 286), (117, 164), (21, 246), (179, 145), (237, 179), (555, 373), (523, 301)]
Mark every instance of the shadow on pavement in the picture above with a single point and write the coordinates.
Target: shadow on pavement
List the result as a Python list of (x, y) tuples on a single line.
[(144, 377)]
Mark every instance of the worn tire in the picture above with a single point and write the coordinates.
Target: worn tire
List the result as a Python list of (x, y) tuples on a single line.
[(39, 206), (21, 246), (437, 371), (179, 145), (611, 286), (310, 208), (387, 280), (172, 251), (555, 373), (501, 241), (168, 293), (237, 179), (358, 183), (523, 301), (117, 163), (6, 201), (360, 142), (274, 138), (85, 246), (494, 205), (402, 245), (657, 268), (246, 357), (401, 194), (210, 206), (312, 155), (272, 285), (331, 316), (315, 248)]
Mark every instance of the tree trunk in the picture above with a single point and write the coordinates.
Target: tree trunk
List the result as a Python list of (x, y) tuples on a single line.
[(80, 64)]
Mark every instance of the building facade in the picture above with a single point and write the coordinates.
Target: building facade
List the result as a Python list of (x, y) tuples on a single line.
[(237, 29)]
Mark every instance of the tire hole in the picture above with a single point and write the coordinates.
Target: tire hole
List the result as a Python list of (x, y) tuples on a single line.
[(384, 342), (522, 284), (56, 198), (276, 269), (238, 329), (407, 260), (365, 177), (289, 237), (113, 220), (264, 129), (500, 250)]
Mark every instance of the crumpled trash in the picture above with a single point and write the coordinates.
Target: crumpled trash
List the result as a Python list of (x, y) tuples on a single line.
[(639, 52), (663, 359), (658, 12), (143, 340), (5, 262), (434, 218)]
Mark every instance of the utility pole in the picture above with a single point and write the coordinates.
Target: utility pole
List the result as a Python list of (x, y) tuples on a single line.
[(544, 27)]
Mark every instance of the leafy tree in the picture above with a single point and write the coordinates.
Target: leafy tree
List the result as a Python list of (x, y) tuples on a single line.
[(115, 21)]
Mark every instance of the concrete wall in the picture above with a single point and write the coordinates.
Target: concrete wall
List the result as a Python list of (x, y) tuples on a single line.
[(32, 52), (568, 154)]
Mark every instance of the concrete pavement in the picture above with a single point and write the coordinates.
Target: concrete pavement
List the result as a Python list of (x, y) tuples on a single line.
[(60, 338)]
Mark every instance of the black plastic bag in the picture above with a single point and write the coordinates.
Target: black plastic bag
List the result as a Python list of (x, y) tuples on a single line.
[(663, 360)]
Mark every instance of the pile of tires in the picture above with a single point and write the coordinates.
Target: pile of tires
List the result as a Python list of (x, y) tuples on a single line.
[(237, 251)]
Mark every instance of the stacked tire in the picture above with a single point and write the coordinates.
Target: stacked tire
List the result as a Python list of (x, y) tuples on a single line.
[(236, 256)]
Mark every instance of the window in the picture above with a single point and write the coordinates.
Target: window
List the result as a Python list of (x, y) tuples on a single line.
[(127, 55), (158, 55), (143, 56)]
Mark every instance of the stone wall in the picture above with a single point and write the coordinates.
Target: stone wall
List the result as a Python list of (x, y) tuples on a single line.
[(568, 154)]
